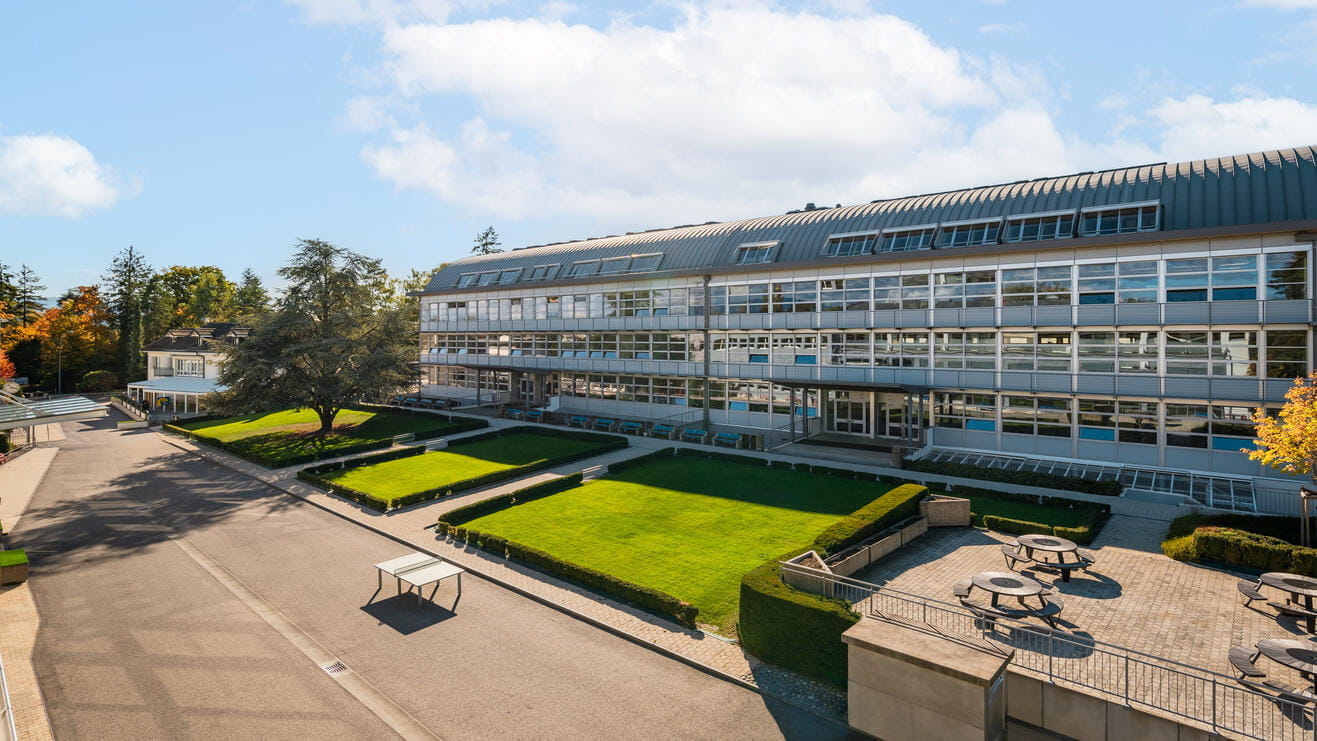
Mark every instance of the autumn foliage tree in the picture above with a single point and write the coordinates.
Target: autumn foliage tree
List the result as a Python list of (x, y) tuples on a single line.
[(7, 369), (1288, 441), (73, 338)]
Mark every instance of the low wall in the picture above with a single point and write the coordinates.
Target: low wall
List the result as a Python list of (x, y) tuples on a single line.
[(1074, 714)]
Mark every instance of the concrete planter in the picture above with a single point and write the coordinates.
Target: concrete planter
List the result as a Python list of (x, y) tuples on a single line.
[(913, 530), (852, 563), (884, 547), (944, 511), (13, 567)]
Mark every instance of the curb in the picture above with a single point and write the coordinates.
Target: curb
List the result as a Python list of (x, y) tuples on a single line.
[(614, 630)]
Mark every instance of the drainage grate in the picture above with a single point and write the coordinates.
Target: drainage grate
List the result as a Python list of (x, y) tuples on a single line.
[(335, 668)]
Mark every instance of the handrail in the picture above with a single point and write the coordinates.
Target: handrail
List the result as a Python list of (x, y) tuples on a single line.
[(1193, 693), (6, 707)]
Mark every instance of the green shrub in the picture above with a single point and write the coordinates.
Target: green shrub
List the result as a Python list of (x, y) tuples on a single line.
[(881, 513), (1016, 527), (1190, 540), (1022, 478), (1183, 548), (645, 598), (793, 629), (98, 381)]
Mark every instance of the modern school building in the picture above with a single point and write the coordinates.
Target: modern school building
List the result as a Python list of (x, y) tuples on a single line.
[(1121, 323)]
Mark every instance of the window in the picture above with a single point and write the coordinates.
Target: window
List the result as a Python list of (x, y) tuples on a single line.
[(509, 276), (1235, 353), (968, 235), (1231, 427), (1186, 353), (640, 263), (1286, 275), (1136, 422), (1036, 286), (965, 350), (793, 297), (914, 291), (1037, 228), (1126, 282), (1119, 220), (851, 244), (958, 290), (755, 254), (1228, 278), (851, 348), (750, 299), (613, 265), (488, 279), (886, 293), (850, 294), (1287, 353), (190, 367), (1028, 415), (544, 272), (966, 411), (467, 279), (583, 268), (1097, 419), (905, 240), (1187, 425), (1137, 351)]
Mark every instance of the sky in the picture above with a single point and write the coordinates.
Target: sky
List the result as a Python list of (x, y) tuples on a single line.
[(220, 133)]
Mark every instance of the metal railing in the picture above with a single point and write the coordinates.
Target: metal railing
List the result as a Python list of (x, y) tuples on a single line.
[(7, 730), (1198, 696)]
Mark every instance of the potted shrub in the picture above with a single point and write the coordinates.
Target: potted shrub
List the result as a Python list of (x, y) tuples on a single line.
[(13, 566)]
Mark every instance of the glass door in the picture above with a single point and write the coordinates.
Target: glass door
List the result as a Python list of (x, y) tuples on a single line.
[(850, 413)]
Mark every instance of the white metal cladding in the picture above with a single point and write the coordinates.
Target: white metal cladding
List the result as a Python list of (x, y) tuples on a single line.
[(1263, 187)]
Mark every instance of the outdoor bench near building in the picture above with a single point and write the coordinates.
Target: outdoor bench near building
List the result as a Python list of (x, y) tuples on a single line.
[(1119, 324)]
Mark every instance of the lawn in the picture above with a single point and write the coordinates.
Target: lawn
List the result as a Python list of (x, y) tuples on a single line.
[(281, 438), (689, 527), (461, 461)]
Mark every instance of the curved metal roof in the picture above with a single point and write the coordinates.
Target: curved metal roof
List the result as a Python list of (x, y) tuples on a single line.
[(1260, 188)]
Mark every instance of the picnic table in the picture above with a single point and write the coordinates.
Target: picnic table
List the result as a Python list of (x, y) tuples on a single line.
[(1296, 585), (418, 570), (1298, 655), (1005, 583), (1052, 544)]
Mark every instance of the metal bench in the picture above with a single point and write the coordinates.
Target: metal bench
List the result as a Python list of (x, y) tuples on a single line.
[(694, 435), (631, 428), (578, 421), (1086, 555), (729, 439), (1293, 610), (1050, 611), (660, 430), (961, 589), (1251, 590), (535, 415), (1013, 555), (1244, 660), (606, 425), (515, 413)]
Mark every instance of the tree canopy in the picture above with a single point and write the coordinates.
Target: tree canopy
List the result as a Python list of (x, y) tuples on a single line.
[(486, 242), (334, 338), (1288, 441)]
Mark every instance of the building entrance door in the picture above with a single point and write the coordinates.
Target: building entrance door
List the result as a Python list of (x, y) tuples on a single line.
[(849, 413)]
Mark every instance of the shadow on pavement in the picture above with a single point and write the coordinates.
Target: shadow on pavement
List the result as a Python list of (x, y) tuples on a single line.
[(401, 613)]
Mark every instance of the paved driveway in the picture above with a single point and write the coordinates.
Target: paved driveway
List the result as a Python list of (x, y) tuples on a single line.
[(140, 640)]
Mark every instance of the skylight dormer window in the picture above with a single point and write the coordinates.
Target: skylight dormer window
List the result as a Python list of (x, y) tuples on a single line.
[(968, 233), (613, 265), (582, 268), (756, 253), (644, 263), (907, 239), (509, 276), (467, 279), (488, 279), (1125, 218), (1039, 227), (544, 272), (847, 245)]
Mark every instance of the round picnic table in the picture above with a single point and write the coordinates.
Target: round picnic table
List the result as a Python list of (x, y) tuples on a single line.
[(999, 583), (1297, 655), (1047, 543), (1296, 585)]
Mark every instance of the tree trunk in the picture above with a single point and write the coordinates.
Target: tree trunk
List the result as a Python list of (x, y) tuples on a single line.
[(326, 415)]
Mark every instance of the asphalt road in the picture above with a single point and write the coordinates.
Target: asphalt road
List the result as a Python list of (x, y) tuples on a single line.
[(139, 640)]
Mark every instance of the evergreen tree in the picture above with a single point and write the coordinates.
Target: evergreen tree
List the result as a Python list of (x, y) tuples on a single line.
[(28, 304), (250, 301), (487, 242), (125, 289), (8, 295)]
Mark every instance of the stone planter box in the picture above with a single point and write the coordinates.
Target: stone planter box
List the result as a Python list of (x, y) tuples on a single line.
[(13, 567), (852, 563), (944, 511), (867, 555), (913, 530)]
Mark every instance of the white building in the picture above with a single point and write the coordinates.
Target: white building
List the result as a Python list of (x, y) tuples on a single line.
[(184, 366)]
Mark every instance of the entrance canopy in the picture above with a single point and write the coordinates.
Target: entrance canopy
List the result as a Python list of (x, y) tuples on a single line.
[(16, 412)]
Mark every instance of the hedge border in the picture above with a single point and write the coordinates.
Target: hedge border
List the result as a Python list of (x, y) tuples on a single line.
[(1021, 478), (454, 426), (1211, 539), (608, 443), (887, 509)]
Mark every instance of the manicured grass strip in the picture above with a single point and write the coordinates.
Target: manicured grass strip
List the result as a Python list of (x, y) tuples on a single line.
[(439, 468), (688, 527), (286, 437)]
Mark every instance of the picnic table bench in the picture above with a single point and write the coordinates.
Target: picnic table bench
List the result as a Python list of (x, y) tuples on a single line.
[(418, 570), (605, 424), (578, 421), (729, 439), (694, 435), (631, 427), (535, 415), (662, 430)]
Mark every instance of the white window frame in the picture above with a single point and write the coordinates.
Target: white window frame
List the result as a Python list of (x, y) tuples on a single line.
[(770, 254), (189, 361)]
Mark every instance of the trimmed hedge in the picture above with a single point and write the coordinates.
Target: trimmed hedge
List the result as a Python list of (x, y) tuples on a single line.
[(469, 512), (881, 513), (456, 425), (793, 629), (1022, 478), (1199, 539)]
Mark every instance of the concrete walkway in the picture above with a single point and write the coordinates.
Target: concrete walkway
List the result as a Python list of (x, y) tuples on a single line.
[(143, 553), (19, 480)]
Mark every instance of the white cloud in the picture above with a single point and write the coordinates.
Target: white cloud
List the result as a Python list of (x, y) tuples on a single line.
[(1198, 126), (1283, 4), (995, 28), (54, 175)]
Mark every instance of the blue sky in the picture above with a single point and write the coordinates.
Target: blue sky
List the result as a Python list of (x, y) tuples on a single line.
[(219, 133)]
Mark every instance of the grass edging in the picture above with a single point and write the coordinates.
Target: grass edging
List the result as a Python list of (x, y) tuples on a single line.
[(1233, 541), (312, 475), (652, 600)]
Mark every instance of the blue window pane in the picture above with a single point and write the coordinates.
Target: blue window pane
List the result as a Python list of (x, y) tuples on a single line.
[(1234, 294), (758, 358), (1200, 295), (1096, 433), (807, 360), (738, 406), (985, 425), (1097, 298), (1230, 443)]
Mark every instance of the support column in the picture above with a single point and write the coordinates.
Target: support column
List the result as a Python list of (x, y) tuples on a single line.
[(537, 381), (791, 414), (514, 386)]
